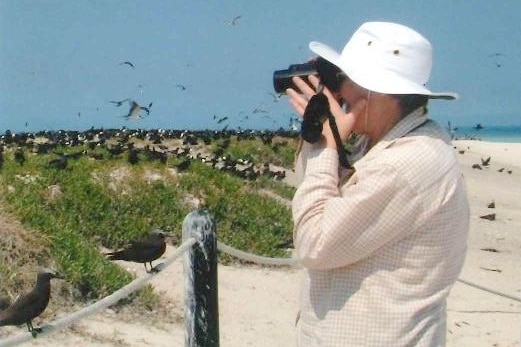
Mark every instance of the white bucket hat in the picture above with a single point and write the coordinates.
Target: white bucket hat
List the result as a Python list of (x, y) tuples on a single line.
[(386, 58)]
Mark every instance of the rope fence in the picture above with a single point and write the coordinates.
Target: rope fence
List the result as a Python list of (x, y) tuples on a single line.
[(102, 304), (200, 268)]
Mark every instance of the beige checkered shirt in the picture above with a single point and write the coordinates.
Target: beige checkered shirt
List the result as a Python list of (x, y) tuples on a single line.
[(382, 250)]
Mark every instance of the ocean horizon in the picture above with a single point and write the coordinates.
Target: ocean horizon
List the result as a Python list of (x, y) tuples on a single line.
[(487, 133)]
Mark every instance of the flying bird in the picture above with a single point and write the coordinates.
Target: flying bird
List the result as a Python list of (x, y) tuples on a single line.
[(31, 305), (147, 109), (276, 97), (181, 86), (234, 20), (222, 119), (119, 103), (142, 251), (259, 110), (127, 63), (496, 58), (134, 113)]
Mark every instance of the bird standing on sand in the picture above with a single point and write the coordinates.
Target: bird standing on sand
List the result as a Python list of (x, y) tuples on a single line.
[(143, 251), (31, 305)]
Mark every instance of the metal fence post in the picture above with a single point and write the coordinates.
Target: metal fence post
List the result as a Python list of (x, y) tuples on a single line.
[(200, 273)]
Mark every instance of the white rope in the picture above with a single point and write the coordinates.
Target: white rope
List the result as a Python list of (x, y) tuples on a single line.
[(258, 259), (140, 282), (294, 262), (511, 297), (101, 304)]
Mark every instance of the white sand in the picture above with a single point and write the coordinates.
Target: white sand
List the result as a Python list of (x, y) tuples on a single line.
[(258, 306)]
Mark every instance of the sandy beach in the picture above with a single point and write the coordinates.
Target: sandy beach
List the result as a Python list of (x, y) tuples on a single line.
[(258, 305)]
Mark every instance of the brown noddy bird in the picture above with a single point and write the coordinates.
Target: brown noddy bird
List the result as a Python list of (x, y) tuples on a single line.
[(143, 251), (4, 303), (31, 305)]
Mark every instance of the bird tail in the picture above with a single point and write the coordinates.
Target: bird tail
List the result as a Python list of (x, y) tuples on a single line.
[(114, 255)]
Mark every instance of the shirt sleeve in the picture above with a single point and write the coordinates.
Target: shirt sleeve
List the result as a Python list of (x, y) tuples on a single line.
[(334, 226)]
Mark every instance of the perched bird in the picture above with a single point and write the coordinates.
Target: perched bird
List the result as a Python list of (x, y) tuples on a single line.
[(31, 305), (127, 63), (1, 157), (491, 216), (19, 156), (59, 163), (4, 303), (143, 251), (485, 162), (184, 165)]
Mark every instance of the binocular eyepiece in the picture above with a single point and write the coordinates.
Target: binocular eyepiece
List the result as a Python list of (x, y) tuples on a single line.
[(328, 73)]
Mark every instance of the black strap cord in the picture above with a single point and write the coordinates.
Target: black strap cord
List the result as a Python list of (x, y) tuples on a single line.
[(316, 112)]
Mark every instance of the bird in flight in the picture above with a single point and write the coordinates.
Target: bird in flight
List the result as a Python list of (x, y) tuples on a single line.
[(222, 119), (134, 113), (119, 103), (147, 109), (127, 63), (181, 86), (496, 57), (234, 20), (259, 110)]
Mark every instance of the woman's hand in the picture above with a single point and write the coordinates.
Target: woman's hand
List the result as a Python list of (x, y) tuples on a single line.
[(344, 121)]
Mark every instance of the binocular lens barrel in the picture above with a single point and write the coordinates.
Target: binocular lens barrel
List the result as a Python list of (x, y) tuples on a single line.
[(282, 78)]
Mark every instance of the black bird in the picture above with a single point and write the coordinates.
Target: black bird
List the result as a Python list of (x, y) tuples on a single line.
[(1, 157), (143, 251), (234, 20), (496, 58), (4, 303), (485, 162), (119, 103), (19, 156), (31, 305), (147, 109), (127, 63), (491, 216), (59, 163)]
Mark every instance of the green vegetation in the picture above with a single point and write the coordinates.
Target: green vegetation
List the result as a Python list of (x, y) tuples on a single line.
[(104, 203)]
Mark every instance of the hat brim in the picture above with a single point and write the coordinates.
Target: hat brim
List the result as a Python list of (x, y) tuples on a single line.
[(362, 78)]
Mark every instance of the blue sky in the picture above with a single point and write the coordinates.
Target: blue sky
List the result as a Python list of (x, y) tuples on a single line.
[(60, 59)]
